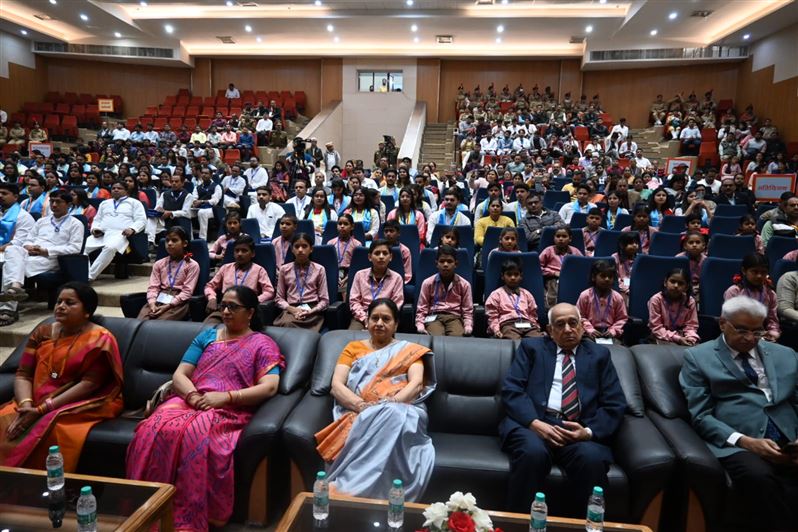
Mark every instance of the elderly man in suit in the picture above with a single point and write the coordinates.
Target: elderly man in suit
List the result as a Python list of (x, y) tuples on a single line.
[(563, 403), (742, 394)]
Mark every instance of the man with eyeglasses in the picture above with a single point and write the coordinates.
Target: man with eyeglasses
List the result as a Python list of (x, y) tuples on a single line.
[(537, 218), (742, 394), (552, 420)]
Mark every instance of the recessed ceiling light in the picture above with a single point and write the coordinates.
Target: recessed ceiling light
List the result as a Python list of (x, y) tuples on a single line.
[(258, 39), (500, 28), (248, 28), (143, 3), (229, 3), (653, 33), (317, 3), (23, 32), (416, 39), (169, 28), (54, 2), (336, 39), (84, 17), (414, 28), (746, 36), (588, 29), (602, 1), (117, 34), (408, 3), (673, 15), (505, 2), (498, 40), (330, 28)]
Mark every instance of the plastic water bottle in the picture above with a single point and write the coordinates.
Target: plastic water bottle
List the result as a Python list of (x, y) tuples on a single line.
[(87, 510), (321, 497), (56, 507), (538, 514), (55, 469), (396, 505), (595, 511)]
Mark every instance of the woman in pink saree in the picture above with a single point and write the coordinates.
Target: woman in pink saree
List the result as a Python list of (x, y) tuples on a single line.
[(190, 439)]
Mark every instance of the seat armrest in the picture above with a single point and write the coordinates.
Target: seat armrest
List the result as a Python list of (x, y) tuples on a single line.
[(335, 314), (644, 455), (74, 267), (311, 415), (268, 311), (132, 304), (6, 387), (196, 308)]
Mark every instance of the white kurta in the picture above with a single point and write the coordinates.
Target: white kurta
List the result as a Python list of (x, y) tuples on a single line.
[(62, 236), (112, 218)]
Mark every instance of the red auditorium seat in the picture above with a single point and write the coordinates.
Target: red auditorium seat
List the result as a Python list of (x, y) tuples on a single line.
[(207, 111), (262, 96), (235, 111), (130, 123), (34, 117), (221, 101), (581, 133), (79, 110), (147, 120), (179, 110), (117, 103), (220, 93), (195, 100), (159, 123), (301, 100), (70, 98), (209, 101), (63, 108), (32, 107), (231, 156), (723, 105), (69, 126), (274, 95), (52, 97), (93, 157), (52, 123), (183, 99), (247, 94), (286, 95), (708, 155), (85, 98), (709, 134), (47, 107), (170, 100), (164, 110), (204, 123), (236, 102), (151, 110), (176, 122), (190, 122), (192, 110), (184, 92), (93, 115), (792, 148), (222, 110), (17, 117)]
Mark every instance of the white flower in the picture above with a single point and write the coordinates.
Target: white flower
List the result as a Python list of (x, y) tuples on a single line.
[(458, 501), (435, 515), (482, 520)]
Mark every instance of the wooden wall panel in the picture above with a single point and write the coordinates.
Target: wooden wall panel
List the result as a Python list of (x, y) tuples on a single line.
[(271, 74), (428, 80), (201, 77), (138, 85), (571, 78), (470, 73), (332, 80), (22, 85), (777, 101), (629, 93)]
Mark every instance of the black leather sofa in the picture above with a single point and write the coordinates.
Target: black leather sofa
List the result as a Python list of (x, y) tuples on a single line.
[(699, 474), (150, 352), (464, 413)]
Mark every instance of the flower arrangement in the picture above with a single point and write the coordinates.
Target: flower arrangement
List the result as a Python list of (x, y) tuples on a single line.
[(460, 514)]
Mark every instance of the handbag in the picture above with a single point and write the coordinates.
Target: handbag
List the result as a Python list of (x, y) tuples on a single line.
[(160, 395)]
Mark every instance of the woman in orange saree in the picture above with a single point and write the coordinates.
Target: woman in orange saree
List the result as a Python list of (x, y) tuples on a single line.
[(68, 380), (380, 423)]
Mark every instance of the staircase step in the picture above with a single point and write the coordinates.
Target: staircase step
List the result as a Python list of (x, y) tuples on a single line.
[(110, 289)]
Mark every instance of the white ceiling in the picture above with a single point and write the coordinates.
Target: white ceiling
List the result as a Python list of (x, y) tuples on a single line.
[(383, 27)]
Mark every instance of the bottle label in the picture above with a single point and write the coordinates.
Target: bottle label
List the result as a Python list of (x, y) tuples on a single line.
[(396, 508), (55, 472), (538, 524), (321, 500), (87, 519), (595, 516)]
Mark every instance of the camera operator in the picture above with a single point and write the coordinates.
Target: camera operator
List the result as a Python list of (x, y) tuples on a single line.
[(298, 163), (388, 150)]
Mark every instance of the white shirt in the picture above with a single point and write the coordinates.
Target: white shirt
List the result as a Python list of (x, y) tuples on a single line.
[(66, 241), (264, 124), (299, 204), (762, 381), (235, 184), (714, 187), (623, 131), (232, 93), (368, 182), (257, 177), (488, 144), (267, 217), (129, 213), (521, 143), (185, 209), (460, 219), (690, 133), (23, 228), (121, 134), (642, 162)]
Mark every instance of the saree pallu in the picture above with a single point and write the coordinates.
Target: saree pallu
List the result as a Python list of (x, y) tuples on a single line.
[(193, 449), (385, 441), (92, 355)]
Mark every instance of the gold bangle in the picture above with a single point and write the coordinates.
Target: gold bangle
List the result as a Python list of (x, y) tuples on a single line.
[(28, 400)]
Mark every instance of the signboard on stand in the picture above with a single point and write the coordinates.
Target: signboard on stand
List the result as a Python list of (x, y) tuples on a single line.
[(770, 187), (105, 105), (45, 148)]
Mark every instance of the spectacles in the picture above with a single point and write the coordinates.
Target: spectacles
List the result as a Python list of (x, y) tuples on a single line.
[(758, 333), (232, 307)]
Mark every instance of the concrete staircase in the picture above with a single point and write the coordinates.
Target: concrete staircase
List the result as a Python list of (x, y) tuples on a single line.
[(438, 145), (654, 148)]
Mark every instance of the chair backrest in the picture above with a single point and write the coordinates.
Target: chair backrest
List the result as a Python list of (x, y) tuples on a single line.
[(623, 220), (716, 277), (408, 235), (607, 243), (731, 246), (672, 224), (547, 238), (327, 257), (648, 275), (302, 226), (553, 197), (265, 257), (491, 242), (781, 267), (558, 182), (251, 227), (578, 220), (665, 244), (389, 203), (427, 267), (778, 246), (735, 211), (724, 225), (575, 277), (331, 231), (658, 367), (466, 233), (532, 277), (360, 261), (288, 208)]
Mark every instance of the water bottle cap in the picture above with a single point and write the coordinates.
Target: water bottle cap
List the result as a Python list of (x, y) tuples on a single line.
[(85, 490), (321, 475), (55, 449), (397, 483), (598, 490), (540, 497)]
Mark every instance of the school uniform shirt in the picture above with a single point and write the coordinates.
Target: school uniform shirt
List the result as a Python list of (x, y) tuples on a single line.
[(602, 312), (255, 277), (792, 255), (281, 247), (551, 261), (179, 278), (344, 249), (766, 296), (624, 268), (220, 246), (407, 262), (366, 289), (695, 269), (645, 237), (668, 320), (590, 238), (267, 217), (297, 285), (505, 306), (435, 299), (443, 218)]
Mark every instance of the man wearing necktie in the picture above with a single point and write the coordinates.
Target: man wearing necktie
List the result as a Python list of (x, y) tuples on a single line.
[(563, 403), (742, 393)]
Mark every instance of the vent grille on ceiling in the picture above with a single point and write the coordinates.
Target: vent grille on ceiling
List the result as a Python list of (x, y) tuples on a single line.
[(226, 39), (701, 14), (711, 52), (576, 39), (95, 49), (444, 39)]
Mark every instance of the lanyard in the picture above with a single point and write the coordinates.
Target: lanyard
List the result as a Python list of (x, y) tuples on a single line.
[(243, 279), (171, 279), (57, 227), (376, 292), (338, 246), (300, 284), (516, 303), (760, 297), (674, 320), (435, 298), (118, 203), (591, 237), (602, 315), (643, 239), (411, 215), (444, 221)]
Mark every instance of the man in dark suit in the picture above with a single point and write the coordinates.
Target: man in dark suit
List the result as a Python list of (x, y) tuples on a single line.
[(742, 393), (729, 195), (563, 403)]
